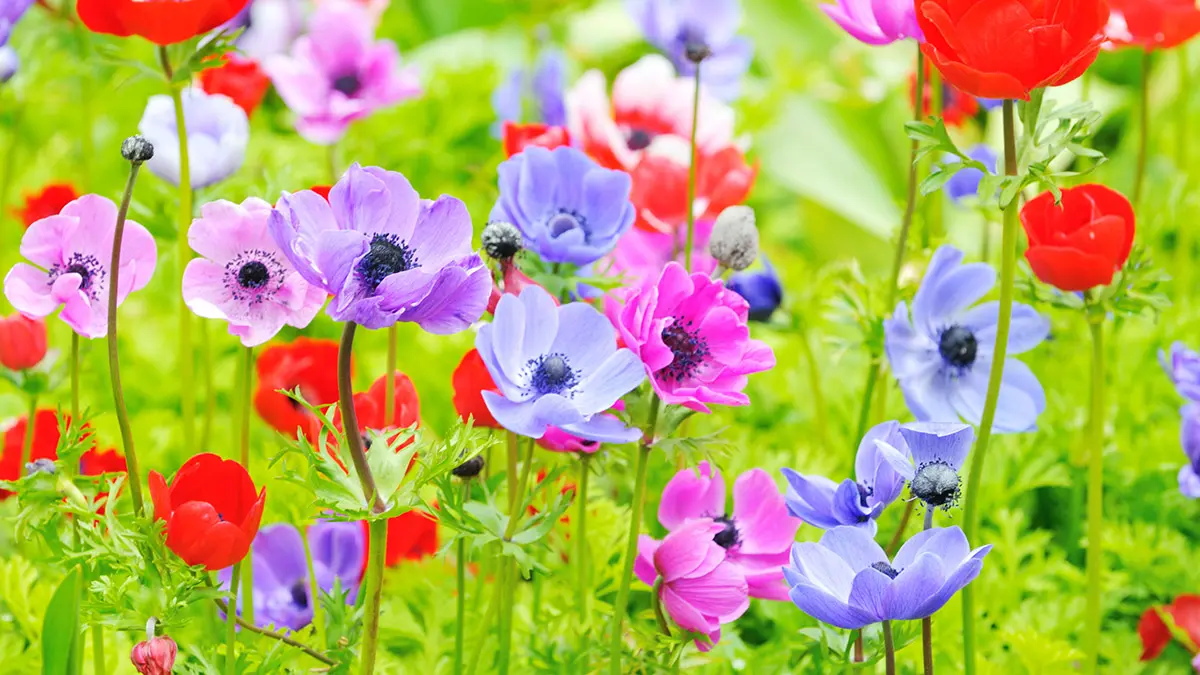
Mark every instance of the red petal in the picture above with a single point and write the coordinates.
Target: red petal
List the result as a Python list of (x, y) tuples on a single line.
[(187, 530), (1068, 269), (1154, 634)]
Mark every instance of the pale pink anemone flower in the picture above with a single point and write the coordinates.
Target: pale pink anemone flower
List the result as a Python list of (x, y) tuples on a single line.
[(243, 277), (691, 333), (339, 73), (701, 588), (650, 113), (72, 255)]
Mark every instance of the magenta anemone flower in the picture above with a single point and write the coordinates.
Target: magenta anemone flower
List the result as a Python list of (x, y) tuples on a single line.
[(701, 588), (876, 22), (71, 255), (339, 73), (385, 254), (756, 536), (691, 334), (243, 276)]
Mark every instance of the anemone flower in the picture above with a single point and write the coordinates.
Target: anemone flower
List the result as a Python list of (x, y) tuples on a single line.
[(269, 27), (1183, 367), (1189, 438), (71, 255), (934, 453), (942, 353), (307, 364), (705, 27), (217, 134), (761, 288)]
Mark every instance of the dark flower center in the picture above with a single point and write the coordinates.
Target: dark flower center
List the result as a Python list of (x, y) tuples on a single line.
[(253, 274), (936, 484), (864, 492), (958, 346), (348, 84), (91, 273), (564, 222), (688, 347), (728, 537), (300, 594), (887, 569), (638, 139), (551, 374), (388, 255)]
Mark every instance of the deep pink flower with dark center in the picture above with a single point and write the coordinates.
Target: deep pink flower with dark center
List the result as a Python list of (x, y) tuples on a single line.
[(691, 333)]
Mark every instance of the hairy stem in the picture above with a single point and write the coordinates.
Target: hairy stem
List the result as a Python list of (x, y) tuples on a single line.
[(889, 649)]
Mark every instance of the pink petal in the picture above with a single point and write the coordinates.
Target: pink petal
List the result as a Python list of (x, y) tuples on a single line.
[(761, 514), (691, 494)]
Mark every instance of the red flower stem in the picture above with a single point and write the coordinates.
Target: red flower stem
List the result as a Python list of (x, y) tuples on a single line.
[(927, 622), (583, 592), (1008, 267), (889, 649), (247, 389), (691, 193), (187, 394), (389, 400), (114, 365), (635, 523), (1095, 497), (231, 623), (1139, 178), (27, 441)]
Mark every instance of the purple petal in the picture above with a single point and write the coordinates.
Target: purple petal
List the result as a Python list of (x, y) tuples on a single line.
[(938, 442), (820, 605), (913, 587)]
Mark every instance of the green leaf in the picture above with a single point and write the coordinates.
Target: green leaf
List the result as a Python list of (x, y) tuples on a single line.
[(60, 629)]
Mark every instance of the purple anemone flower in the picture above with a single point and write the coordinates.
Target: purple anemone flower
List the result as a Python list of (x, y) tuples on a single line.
[(385, 254), (548, 89), (942, 354), (1183, 367), (1189, 437), (243, 276), (339, 73), (281, 582), (217, 133), (677, 26), (824, 504), (846, 580), (761, 289), (71, 255), (964, 184), (931, 461), (568, 208), (876, 22), (556, 366)]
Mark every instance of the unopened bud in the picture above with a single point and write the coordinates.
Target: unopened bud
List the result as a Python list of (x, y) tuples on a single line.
[(155, 656), (40, 466), (469, 468), (501, 240), (734, 241), (137, 149)]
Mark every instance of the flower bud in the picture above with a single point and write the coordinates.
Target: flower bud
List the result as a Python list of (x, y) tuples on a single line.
[(155, 656), (41, 466), (22, 342), (137, 149), (469, 468), (501, 240), (936, 484), (734, 241)]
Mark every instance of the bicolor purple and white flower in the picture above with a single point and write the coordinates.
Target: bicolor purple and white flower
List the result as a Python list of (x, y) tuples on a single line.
[(217, 134), (385, 254), (675, 26)]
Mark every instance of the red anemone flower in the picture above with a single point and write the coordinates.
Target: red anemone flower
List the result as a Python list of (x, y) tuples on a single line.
[(97, 462), (369, 408), (306, 363), (470, 380), (162, 22), (1153, 24), (517, 137), (660, 188), (412, 535), (48, 202), (1081, 242), (1184, 612), (22, 342), (45, 446), (240, 79), (211, 509)]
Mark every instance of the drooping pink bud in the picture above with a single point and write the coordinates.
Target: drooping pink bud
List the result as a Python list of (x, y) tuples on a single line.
[(155, 656)]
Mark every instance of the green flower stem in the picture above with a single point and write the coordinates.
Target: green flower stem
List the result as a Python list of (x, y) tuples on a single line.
[(927, 622), (635, 523), (314, 593), (691, 193), (27, 440), (374, 593), (389, 400), (244, 457), (210, 391), (1184, 239), (509, 567), (231, 623), (889, 649), (460, 622), (1139, 177), (74, 377), (278, 637), (814, 386), (934, 215), (1008, 267), (583, 589), (505, 579), (98, 660), (114, 364), (1095, 498)]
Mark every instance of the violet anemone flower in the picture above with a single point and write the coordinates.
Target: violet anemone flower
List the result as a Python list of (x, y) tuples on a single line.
[(761, 288), (701, 588), (243, 276), (385, 254), (876, 22), (547, 86), (846, 580), (677, 26), (556, 366), (964, 184), (339, 73), (71, 255), (270, 27), (691, 334), (756, 535), (1189, 438), (1183, 367), (931, 461), (217, 133), (567, 207), (824, 504), (281, 582), (942, 354)]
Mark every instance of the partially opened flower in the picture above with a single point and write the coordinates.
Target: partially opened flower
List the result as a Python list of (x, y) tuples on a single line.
[(701, 588), (385, 254), (691, 334), (1184, 612), (1183, 367), (307, 364), (339, 73), (1152, 24), (933, 454), (756, 534), (942, 353), (1080, 241), (240, 79), (371, 411), (846, 580), (22, 342), (685, 29), (71, 255), (546, 88), (568, 208), (1189, 438), (162, 22), (217, 134), (49, 201), (211, 510), (154, 655), (858, 501), (876, 22), (556, 366), (761, 288)]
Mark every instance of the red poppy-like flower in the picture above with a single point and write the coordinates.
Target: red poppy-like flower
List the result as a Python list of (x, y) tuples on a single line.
[(1155, 635), (97, 462), (162, 22), (49, 202), (517, 137), (660, 188), (211, 509), (470, 380), (306, 363), (240, 79), (412, 535), (45, 446), (1081, 243), (369, 408), (22, 342), (1153, 24), (1008, 48)]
